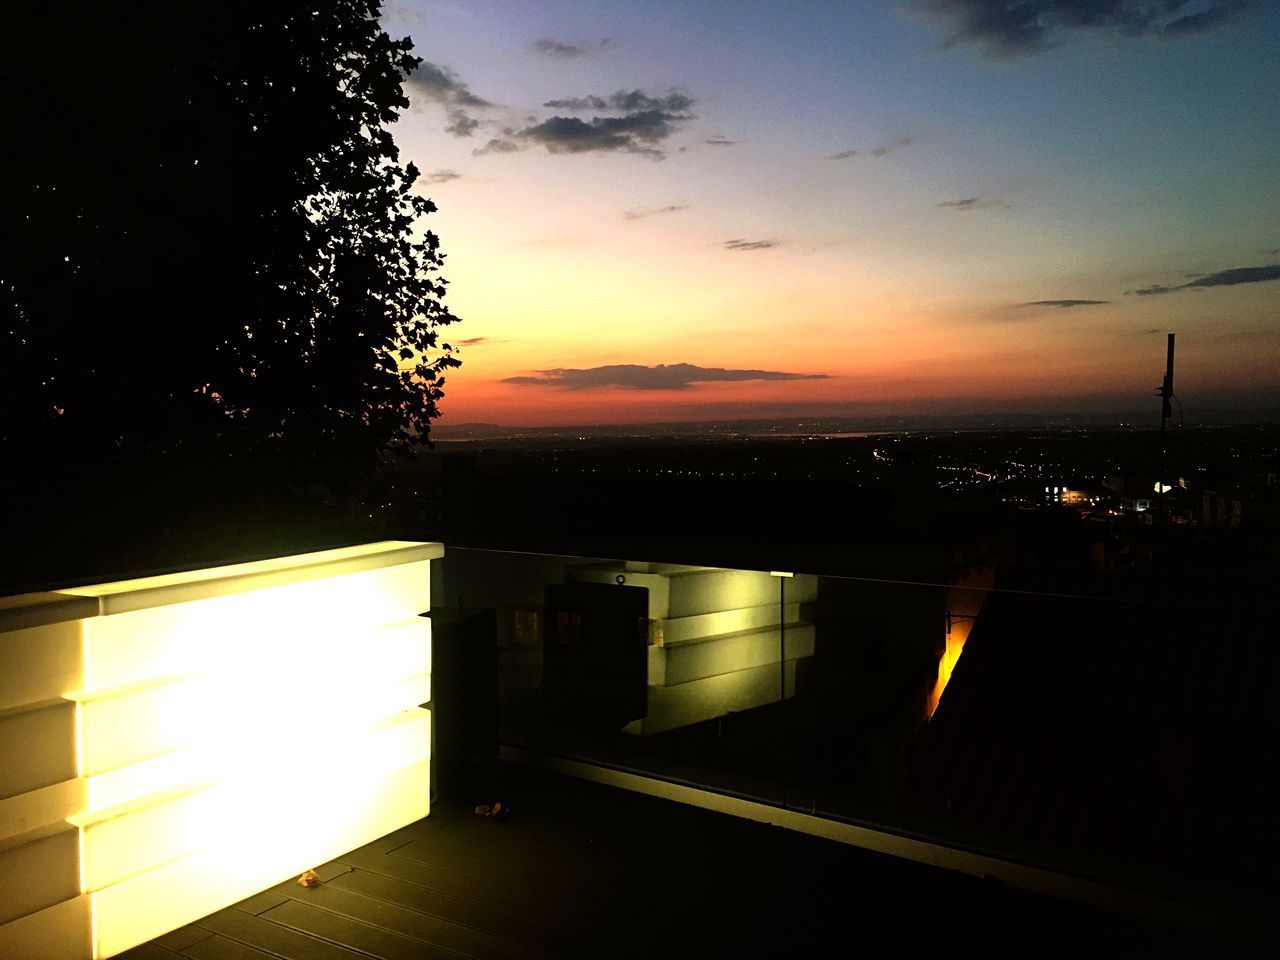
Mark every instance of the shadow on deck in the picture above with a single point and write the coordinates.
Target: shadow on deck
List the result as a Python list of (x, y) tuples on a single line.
[(586, 870)]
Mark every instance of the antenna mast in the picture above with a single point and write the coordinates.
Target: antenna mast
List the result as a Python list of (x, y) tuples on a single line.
[(1165, 393)]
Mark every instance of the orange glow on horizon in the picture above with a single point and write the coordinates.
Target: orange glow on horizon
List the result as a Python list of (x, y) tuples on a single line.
[(904, 368)]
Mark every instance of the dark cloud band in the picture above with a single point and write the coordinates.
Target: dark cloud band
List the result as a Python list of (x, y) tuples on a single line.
[(558, 49), (562, 50), (969, 203), (880, 150), (1063, 304), (645, 212), (675, 376), (1013, 28), (625, 101), (627, 121), (1222, 278)]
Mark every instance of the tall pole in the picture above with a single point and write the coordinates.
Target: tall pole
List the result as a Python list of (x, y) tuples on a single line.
[(1165, 393)]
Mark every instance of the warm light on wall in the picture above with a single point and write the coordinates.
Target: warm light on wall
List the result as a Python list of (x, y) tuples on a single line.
[(182, 742), (955, 641), (965, 600)]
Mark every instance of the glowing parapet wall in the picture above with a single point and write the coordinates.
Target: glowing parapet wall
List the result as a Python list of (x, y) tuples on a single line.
[(721, 640), (174, 744)]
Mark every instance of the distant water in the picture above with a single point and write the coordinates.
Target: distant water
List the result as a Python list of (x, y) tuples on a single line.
[(824, 434)]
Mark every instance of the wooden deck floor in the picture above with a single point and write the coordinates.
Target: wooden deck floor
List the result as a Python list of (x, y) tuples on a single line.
[(585, 870)]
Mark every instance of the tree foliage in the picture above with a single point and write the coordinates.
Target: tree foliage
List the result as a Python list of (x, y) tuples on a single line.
[(208, 243)]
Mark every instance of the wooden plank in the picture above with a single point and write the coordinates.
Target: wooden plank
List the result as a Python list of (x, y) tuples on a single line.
[(519, 899), (327, 871), (397, 838), (411, 923), (220, 948), (480, 917), (178, 940), (483, 850), (284, 941), (260, 902), (147, 951), (444, 816), (366, 938), (516, 864)]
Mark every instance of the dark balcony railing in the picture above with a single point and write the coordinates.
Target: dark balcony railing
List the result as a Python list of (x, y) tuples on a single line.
[(1118, 740)]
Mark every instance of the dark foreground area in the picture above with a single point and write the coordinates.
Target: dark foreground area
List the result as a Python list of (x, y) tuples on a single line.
[(580, 869)]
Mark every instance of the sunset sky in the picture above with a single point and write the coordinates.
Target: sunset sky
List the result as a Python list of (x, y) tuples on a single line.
[(696, 210)]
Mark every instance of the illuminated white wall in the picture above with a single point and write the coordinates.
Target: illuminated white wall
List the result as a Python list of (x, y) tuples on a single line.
[(171, 745), (717, 638)]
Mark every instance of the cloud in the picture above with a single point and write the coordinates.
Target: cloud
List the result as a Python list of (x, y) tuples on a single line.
[(496, 146), (1229, 278), (1064, 304), (643, 212), (434, 84), (476, 341), (560, 50), (461, 124), (640, 124), (719, 141), (970, 203), (632, 122), (880, 150), (1222, 278), (1003, 29), (887, 148), (573, 135), (675, 376), (1202, 21), (741, 244), (442, 176), (625, 101), (441, 85)]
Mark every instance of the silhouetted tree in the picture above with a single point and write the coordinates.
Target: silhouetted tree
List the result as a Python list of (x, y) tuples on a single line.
[(209, 250)]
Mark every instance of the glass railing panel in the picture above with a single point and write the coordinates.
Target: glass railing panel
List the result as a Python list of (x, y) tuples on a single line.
[(677, 671), (1123, 739), (1120, 739)]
